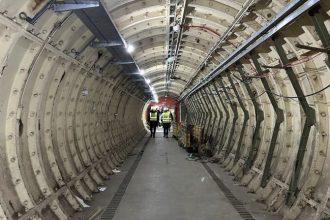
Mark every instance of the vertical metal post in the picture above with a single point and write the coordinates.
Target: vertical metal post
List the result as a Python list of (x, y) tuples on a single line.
[(246, 118), (279, 119), (310, 121)]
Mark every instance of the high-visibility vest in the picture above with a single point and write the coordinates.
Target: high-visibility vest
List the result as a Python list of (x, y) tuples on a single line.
[(153, 116), (166, 116)]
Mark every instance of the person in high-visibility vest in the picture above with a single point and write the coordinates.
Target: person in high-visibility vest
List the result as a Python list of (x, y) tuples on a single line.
[(153, 119), (166, 119)]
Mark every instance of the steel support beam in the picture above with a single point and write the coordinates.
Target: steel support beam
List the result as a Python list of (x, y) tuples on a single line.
[(208, 114), (199, 113), (279, 119), (224, 129), (245, 120), (218, 112), (234, 109), (259, 119), (191, 111), (293, 10), (204, 112), (321, 29), (316, 49), (214, 115), (100, 23), (309, 121)]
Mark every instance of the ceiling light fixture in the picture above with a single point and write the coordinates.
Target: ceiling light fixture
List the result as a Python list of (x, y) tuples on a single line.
[(176, 28), (130, 48), (170, 59)]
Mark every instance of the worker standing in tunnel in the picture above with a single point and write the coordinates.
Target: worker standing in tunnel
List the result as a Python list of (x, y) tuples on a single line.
[(153, 119), (166, 119)]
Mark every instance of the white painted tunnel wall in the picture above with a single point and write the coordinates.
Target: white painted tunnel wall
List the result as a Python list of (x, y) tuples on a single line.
[(64, 123), (313, 74)]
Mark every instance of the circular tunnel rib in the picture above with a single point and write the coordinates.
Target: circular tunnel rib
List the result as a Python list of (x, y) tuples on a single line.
[(74, 93)]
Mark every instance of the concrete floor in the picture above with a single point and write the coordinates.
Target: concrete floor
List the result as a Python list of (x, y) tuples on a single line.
[(167, 186)]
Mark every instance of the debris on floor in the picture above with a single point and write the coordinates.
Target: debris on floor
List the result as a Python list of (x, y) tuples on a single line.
[(102, 188), (82, 202), (116, 171)]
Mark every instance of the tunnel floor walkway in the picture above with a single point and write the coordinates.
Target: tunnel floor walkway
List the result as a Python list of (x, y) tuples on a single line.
[(157, 182)]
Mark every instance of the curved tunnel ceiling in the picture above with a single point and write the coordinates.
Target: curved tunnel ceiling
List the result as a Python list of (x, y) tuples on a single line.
[(71, 111), (148, 25)]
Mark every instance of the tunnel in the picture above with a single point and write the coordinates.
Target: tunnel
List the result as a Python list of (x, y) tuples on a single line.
[(247, 82)]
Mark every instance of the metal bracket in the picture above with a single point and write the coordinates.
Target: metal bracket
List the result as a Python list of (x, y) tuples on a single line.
[(321, 50), (273, 67), (35, 18), (58, 7)]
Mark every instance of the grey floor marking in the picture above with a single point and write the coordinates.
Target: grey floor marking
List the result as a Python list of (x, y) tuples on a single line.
[(236, 203), (110, 211)]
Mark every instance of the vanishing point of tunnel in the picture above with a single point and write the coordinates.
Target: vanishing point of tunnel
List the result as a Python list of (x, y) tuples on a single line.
[(242, 87)]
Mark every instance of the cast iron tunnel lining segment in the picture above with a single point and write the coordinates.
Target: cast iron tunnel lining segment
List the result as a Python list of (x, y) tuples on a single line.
[(73, 95)]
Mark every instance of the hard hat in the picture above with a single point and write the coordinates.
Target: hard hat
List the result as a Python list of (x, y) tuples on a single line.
[(165, 109)]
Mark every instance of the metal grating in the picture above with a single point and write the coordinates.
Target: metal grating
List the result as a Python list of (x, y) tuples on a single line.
[(237, 204), (110, 211)]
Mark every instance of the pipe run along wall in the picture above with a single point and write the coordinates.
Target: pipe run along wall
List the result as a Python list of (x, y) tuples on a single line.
[(65, 122)]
